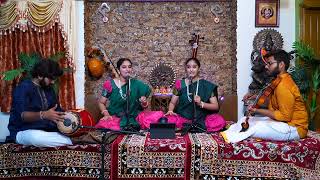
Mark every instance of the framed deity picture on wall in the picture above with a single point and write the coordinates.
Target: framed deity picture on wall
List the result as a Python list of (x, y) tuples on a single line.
[(267, 13)]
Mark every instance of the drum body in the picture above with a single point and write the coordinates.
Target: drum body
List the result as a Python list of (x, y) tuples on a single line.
[(73, 119)]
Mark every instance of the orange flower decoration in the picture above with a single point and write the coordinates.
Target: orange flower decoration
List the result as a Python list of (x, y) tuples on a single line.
[(263, 52)]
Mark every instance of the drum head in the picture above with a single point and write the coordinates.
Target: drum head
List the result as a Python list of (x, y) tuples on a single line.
[(70, 124)]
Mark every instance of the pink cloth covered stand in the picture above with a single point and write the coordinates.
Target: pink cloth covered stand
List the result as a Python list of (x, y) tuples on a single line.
[(113, 123), (213, 122), (144, 119), (178, 120)]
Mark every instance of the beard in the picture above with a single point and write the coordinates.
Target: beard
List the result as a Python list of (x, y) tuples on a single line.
[(274, 73), (43, 84)]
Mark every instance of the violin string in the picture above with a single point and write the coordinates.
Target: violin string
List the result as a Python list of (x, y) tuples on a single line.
[(272, 85)]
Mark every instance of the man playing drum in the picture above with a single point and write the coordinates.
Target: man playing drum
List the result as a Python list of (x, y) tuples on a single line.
[(35, 109)]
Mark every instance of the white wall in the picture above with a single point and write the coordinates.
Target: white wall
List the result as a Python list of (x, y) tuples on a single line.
[(79, 53), (4, 120), (245, 33)]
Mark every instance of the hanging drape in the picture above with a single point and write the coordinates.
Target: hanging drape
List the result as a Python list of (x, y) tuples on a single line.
[(33, 26)]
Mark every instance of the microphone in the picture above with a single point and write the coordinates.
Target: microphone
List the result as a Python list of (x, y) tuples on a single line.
[(130, 76), (127, 78)]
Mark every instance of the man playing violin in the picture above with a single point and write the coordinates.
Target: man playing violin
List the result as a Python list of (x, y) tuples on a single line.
[(285, 118), (35, 109)]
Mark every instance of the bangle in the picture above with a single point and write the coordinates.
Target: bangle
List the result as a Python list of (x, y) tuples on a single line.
[(102, 112), (41, 114), (202, 104)]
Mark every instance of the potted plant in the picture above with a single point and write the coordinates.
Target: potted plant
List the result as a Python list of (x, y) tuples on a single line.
[(307, 76), (27, 62)]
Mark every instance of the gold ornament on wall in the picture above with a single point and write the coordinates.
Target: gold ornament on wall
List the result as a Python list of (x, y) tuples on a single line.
[(162, 75), (216, 10), (103, 10)]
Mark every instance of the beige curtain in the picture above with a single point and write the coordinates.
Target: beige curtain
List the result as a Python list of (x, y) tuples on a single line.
[(33, 26)]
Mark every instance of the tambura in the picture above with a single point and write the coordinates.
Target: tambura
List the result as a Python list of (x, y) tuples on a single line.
[(73, 119)]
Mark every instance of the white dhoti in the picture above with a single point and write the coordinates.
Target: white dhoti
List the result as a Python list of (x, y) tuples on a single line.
[(42, 138), (263, 128)]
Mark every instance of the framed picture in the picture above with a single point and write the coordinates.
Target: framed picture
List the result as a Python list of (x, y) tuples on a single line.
[(267, 13)]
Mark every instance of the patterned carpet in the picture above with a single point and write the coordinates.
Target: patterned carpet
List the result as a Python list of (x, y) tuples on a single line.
[(81, 161), (194, 156), (141, 157), (213, 158)]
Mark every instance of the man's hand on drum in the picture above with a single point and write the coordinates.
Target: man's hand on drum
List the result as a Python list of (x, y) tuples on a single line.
[(54, 115)]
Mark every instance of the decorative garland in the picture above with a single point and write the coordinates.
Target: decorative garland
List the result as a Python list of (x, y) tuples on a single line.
[(8, 16), (41, 16)]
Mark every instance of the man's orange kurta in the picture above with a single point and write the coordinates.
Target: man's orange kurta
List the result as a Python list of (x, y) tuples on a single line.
[(288, 105)]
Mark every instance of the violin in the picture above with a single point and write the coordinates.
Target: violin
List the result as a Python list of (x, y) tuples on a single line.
[(260, 100)]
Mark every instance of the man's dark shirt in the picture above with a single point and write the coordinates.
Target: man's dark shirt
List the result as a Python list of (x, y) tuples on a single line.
[(28, 96)]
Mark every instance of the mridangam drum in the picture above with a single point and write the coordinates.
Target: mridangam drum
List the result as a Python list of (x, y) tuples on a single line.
[(73, 119)]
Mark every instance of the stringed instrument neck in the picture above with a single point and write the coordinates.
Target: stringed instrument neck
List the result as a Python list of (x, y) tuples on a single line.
[(261, 99), (195, 44)]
